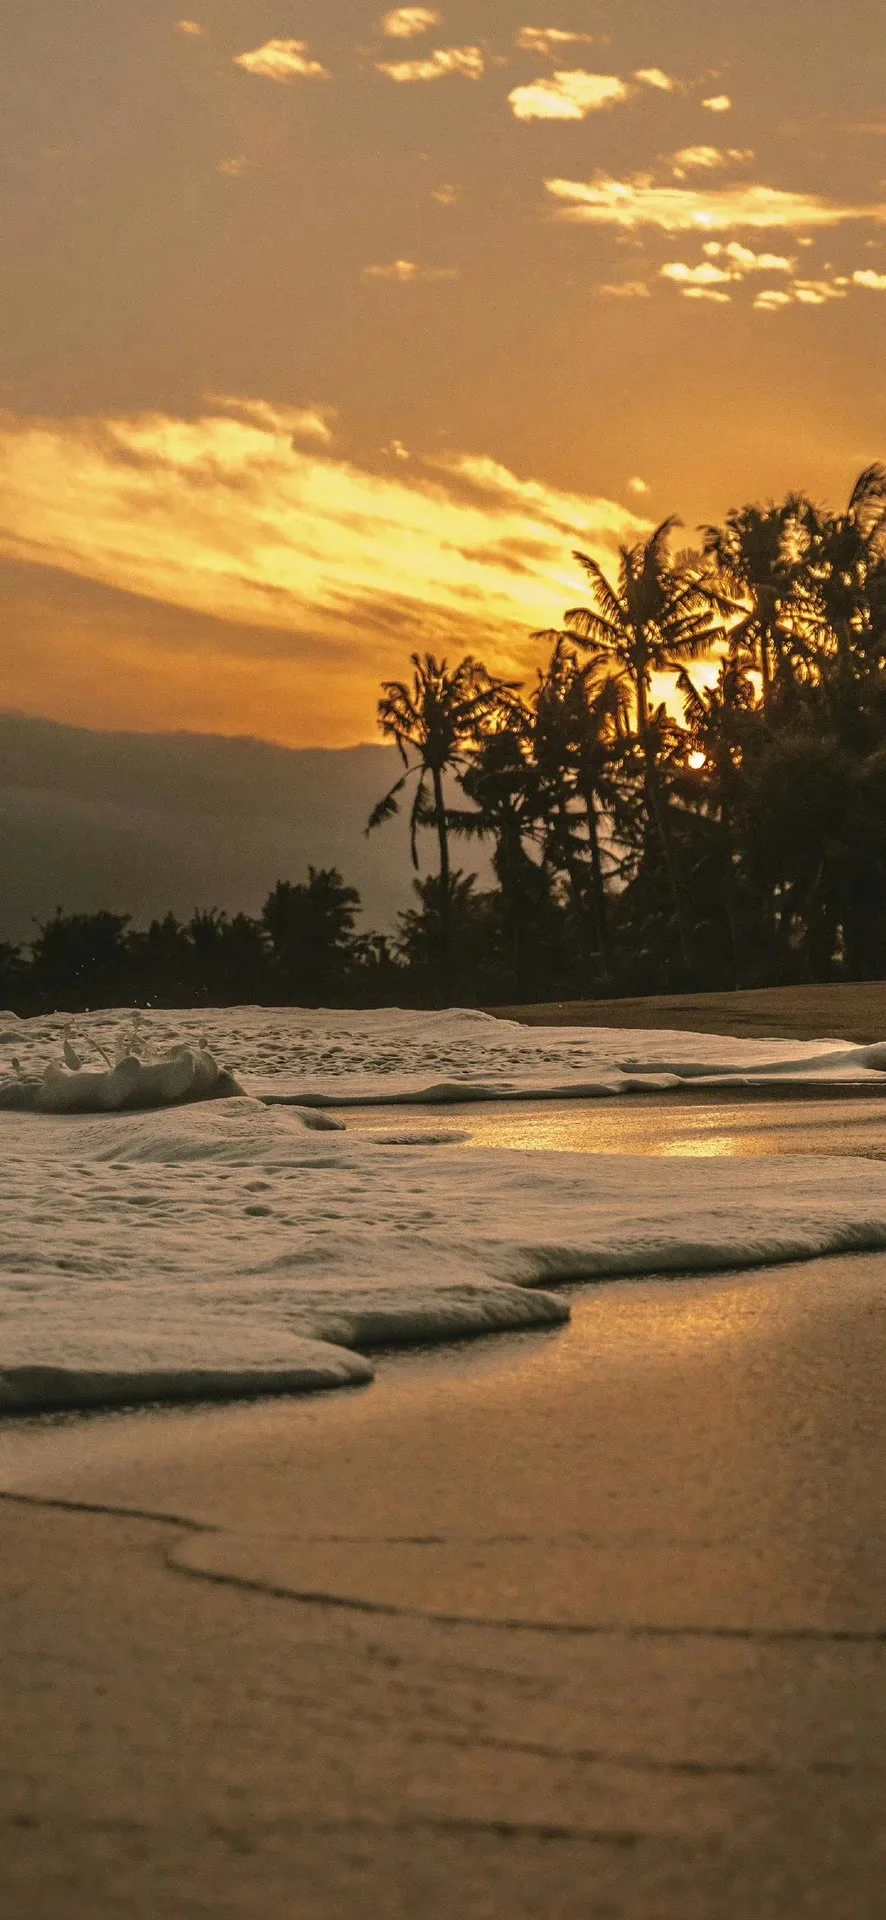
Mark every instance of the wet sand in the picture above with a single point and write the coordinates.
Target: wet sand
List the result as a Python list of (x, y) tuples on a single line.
[(589, 1623), (854, 1010)]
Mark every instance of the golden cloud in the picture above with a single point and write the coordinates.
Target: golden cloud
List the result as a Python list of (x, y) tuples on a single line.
[(191, 27), (406, 23), (568, 96), (705, 275), (550, 41), (866, 277), (714, 294), (704, 159), (226, 516), (282, 60), (654, 77), (638, 202), (718, 103), (468, 61), (743, 259)]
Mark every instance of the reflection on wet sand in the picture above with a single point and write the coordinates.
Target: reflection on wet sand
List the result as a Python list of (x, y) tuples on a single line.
[(685, 1127)]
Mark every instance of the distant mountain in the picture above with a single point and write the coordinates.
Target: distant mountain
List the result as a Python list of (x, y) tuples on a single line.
[(141, 822)]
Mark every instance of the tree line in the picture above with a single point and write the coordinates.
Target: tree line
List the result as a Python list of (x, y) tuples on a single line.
[(692, 794)]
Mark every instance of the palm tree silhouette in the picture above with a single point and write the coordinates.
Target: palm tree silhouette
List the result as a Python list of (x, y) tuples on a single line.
[(763, 550), (846, 553), (579, 734), (434, 721), (662, 613)]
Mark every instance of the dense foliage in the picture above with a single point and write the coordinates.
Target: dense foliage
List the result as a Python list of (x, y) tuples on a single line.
[(632, 850)]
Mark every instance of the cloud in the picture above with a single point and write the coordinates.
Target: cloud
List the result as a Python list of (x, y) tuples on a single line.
[(446, 194), (707, 293), (468, 61), (638, 486), (303, 423), (407, 273), (704, 159), (568, 96), (283, 60), (744, 260), (654, 77), (705, 275), (235, 168), (771, 300), (816, 293), (638, 202), (718, 103), (406, 23), (191, 27), (626, 290), (732, 262), (550, 41), (225, 517)]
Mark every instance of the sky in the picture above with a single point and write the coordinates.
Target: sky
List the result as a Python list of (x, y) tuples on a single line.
[(328, 333)]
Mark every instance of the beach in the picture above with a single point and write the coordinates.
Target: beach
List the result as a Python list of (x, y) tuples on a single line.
[(584, 1619)]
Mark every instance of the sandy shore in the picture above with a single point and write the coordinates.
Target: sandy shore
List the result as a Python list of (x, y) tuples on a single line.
[(854, 1011), (589, 1623)]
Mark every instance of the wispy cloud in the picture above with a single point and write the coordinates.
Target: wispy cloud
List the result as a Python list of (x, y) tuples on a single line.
[(227, 516), (638, 202), (302, 423), (638, 486), (191, 27), (704, 159), (467, 61), (282, 60), (550, 41), (626, 290), (235, 167), (407, 273), (407, 23), (867, 277), (446, 195), (718, 103), (568, 96)]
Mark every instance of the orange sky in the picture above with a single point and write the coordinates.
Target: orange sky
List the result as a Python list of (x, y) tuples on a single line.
[(329, 332)]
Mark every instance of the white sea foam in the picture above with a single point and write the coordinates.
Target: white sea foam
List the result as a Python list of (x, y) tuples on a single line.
[(231, 1245)]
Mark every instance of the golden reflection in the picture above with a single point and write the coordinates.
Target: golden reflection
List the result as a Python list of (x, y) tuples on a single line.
[(707, 1147)]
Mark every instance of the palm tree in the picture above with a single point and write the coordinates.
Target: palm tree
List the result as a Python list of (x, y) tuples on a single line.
[(662, 613), (579, 733), (763, 550), (434, 721), (846, 554)]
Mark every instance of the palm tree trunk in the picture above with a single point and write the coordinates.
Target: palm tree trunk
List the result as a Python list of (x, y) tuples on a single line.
[(601, 904), (445, 879), (657, 811)]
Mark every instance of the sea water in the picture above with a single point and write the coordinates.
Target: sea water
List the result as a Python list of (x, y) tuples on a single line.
[(251, 1200)]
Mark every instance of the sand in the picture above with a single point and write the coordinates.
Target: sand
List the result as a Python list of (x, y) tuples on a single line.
[(838, 1011), (584, 1623)]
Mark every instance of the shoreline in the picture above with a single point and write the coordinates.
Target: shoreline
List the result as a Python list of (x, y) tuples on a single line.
[(837, 1010), (573, 1622), (617, 1634)]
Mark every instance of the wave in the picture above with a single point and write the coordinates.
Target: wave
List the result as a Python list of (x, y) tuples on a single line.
[(172, 1230)]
